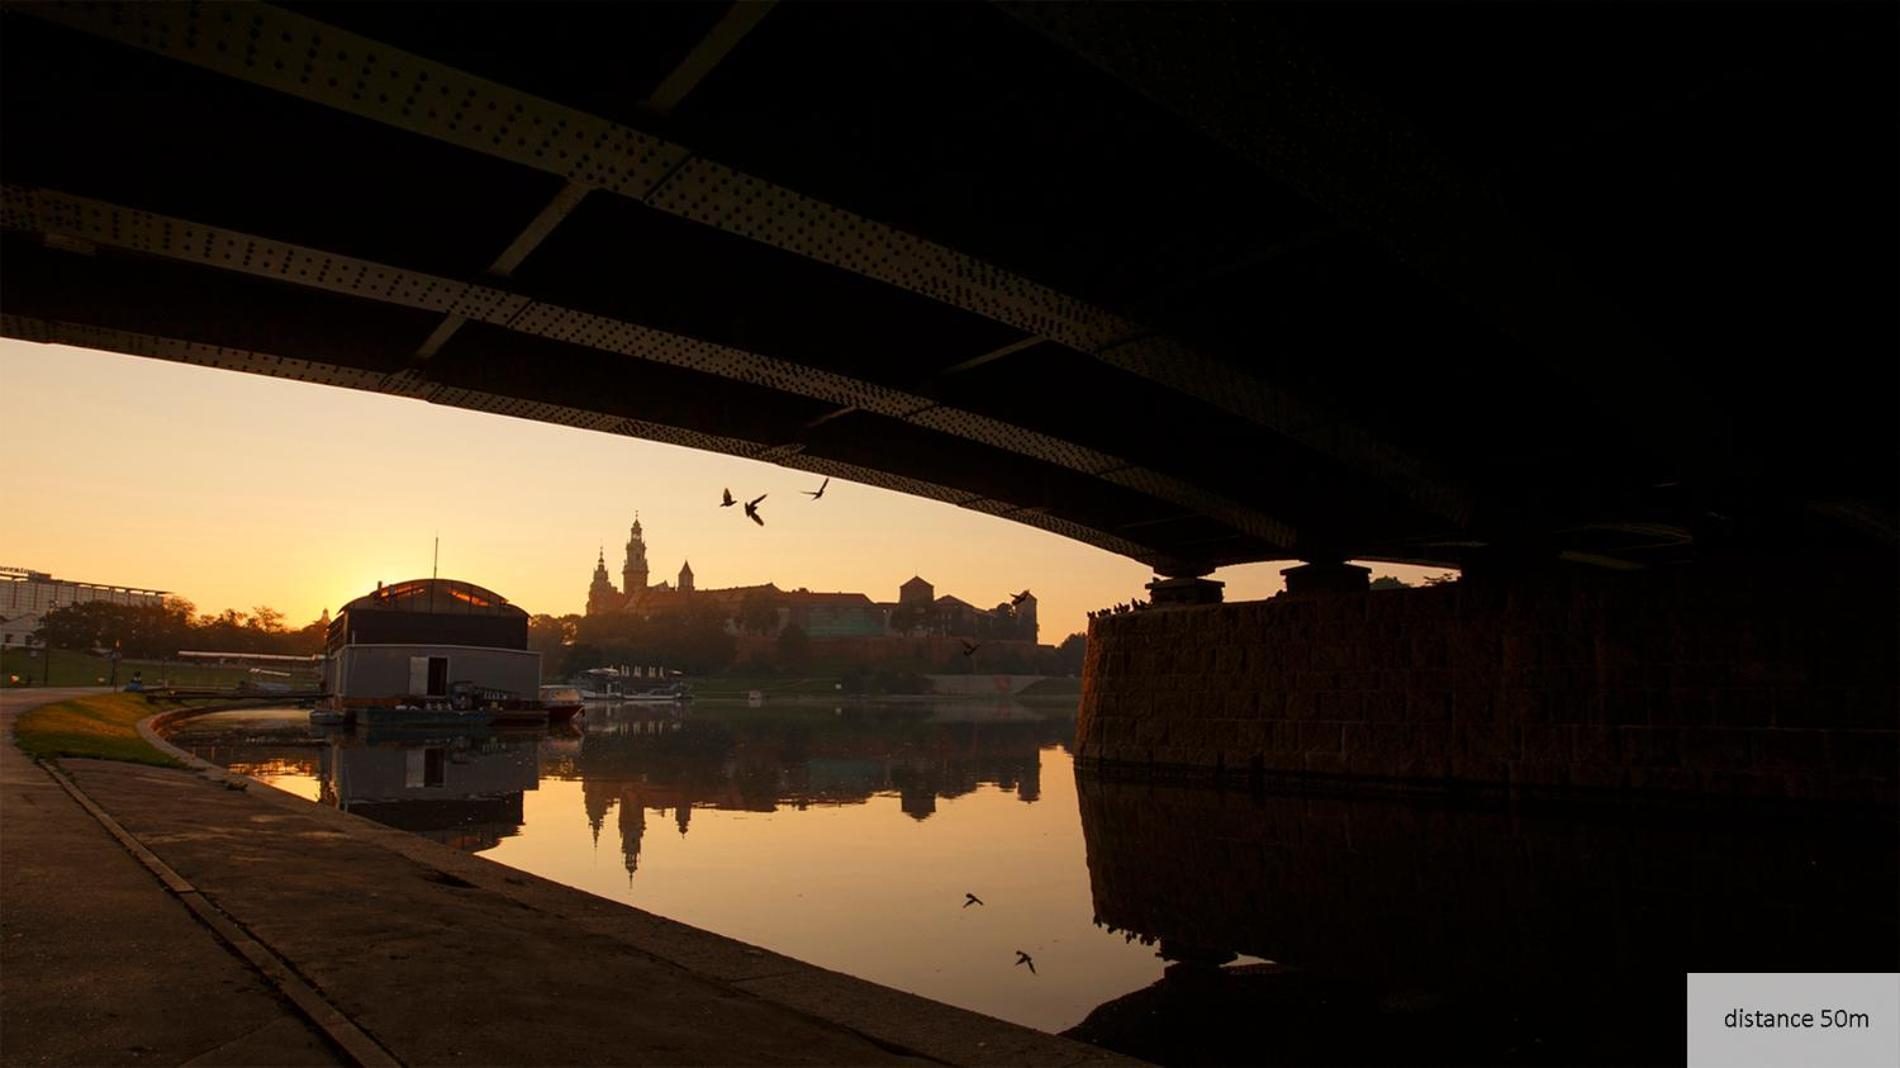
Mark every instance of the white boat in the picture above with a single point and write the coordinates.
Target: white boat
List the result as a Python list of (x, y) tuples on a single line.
[(562, 702), (677, 693)]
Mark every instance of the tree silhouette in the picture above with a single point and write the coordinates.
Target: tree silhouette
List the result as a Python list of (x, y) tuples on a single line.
[(794, 646)]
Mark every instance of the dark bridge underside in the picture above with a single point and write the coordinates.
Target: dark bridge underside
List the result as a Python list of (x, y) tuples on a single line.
[(1194, 283)]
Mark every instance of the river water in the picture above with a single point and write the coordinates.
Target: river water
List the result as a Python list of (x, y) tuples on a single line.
[(848, 836), (843, 835)]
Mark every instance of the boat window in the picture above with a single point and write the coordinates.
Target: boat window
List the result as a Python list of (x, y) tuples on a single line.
[(425, 767), (438, 676)]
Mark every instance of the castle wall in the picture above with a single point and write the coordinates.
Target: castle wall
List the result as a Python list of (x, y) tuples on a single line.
[(934, 652), (1687, 681)]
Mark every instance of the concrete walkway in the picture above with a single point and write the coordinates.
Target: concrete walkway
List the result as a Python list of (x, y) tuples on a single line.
[(98, 963), (439, 957)]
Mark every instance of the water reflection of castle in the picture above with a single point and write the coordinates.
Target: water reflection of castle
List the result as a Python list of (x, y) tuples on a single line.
[(639, 760)]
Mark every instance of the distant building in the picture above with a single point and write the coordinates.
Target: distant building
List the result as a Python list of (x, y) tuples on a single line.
[(833, 615), (601, 596), (634, 571), (821, 614), (27, 595)]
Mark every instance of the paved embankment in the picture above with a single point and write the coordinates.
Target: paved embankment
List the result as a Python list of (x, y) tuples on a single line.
[(98, 963), (440, 957)]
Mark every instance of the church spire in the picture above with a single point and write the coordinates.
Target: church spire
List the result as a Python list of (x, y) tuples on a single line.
[(633, 574), (601, 595)]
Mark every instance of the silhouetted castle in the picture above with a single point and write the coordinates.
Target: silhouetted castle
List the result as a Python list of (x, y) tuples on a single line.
[(767, 609)]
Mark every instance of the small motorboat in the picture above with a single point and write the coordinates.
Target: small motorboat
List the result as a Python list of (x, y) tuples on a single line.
[(562, 703), (677, 693)]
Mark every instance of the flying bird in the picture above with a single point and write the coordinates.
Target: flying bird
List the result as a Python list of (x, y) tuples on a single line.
[(970, 647), (752, 508), (819, 492), (1019, 598), (728, 502), (971, 899), (1024, 958)]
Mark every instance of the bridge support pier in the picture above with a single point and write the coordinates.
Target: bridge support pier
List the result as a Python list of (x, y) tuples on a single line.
[(1174, 591), (1327, 576), (1750, 681)]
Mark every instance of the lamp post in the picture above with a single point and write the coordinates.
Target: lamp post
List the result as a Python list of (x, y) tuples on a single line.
[(46, 658)]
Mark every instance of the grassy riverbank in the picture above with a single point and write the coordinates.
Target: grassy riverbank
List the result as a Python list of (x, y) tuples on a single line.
[(68, 668), (102, 726)]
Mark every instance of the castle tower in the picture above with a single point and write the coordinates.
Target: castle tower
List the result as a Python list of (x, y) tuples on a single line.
[(686, 577), (601, 595), (633, 574), (1026, 618), (633, 827), (916, 591)]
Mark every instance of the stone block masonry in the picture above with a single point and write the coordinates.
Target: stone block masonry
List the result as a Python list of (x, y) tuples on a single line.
[(1694, 680)]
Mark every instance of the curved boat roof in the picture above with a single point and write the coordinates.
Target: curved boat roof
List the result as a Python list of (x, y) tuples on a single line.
[(439, 596)]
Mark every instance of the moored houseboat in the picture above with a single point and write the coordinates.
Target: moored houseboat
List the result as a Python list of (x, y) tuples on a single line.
[(673, 693), (432, 651)]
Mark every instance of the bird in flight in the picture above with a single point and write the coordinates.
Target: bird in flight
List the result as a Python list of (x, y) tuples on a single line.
[(752, 508), (971, 899), (1019, 598), (728, 502), (819, 492), (970, 647), (1024, 958)]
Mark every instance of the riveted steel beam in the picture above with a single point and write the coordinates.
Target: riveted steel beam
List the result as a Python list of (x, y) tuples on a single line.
[(409, 383), (711, 50), (312, 60), (46, 212), (1252, 85), (706, 55)]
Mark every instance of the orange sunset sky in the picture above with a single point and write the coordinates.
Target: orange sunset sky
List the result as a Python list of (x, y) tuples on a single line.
[(237, 490)]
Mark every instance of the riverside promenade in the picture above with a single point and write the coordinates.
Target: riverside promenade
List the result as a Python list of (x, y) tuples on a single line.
[(162, 916)]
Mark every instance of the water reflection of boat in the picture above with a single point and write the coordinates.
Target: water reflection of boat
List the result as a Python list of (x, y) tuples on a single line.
[(982, 712), (431, 651), (461, 789), (676, 693), (655, 718)]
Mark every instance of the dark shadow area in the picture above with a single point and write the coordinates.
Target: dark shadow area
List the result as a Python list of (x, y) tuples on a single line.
[(1413, 933)]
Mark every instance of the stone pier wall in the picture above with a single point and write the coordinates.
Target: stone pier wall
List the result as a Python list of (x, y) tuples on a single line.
[(1692, 681)]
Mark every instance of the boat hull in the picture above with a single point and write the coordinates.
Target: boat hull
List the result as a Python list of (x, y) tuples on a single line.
[(391, 710)]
